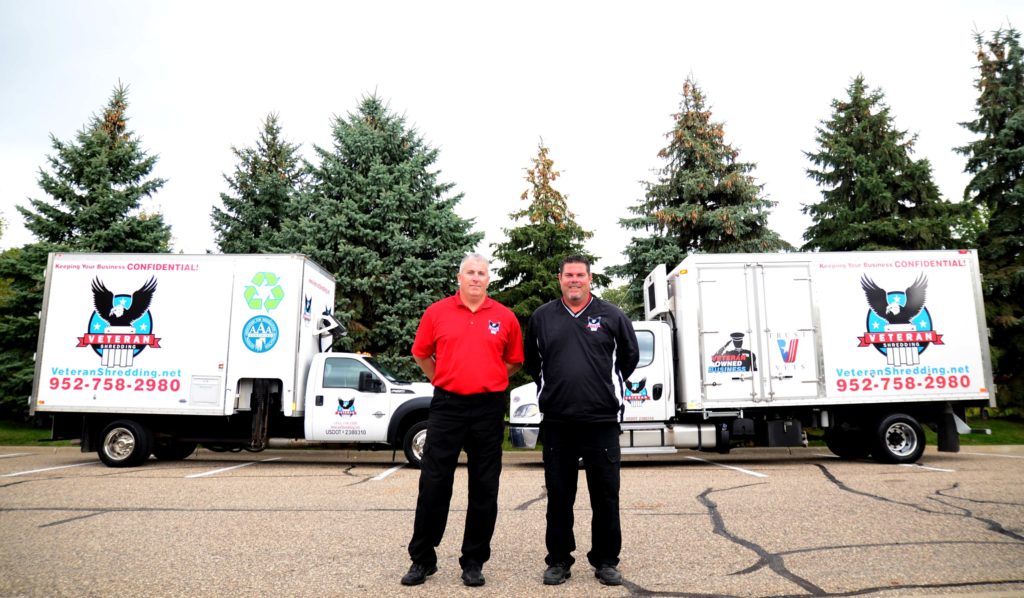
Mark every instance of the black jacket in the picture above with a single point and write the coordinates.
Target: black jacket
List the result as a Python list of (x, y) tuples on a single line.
[(579, 361)]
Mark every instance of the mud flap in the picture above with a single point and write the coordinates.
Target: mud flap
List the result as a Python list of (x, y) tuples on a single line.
[(949, 434)]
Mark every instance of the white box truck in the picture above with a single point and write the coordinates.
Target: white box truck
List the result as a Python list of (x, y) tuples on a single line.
[(751, 349), (153, 354)]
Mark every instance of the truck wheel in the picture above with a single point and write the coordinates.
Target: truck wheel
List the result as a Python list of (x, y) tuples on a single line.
[(173, 451), (414, 443), (846, 444), (124, 443), (898, 439)]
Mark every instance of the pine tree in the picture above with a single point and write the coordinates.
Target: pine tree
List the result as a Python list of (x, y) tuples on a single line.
[(528, 276), (996, 163), (377, 217), (264, 187), (704, 199), (96, 184), (875, 196), (21, 276)]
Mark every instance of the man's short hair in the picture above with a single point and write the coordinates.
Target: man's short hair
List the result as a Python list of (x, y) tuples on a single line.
[(574, 259), (474, 257)]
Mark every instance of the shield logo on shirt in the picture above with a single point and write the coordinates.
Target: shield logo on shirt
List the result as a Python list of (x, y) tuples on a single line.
[(594, 324), (494, 327)]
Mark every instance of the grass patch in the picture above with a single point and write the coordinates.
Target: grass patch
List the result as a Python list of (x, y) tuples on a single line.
[(1005, 430), (19, 433)]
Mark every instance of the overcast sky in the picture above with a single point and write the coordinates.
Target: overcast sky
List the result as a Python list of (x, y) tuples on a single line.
[(482, 82)]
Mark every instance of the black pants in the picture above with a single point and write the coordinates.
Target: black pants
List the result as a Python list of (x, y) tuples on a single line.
[(598, 446), (474, 423)]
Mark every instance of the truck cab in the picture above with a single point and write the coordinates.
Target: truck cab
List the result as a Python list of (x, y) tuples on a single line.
[(353, 398)]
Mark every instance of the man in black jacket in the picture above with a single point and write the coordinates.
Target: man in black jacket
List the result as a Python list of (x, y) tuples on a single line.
[(580, 350)]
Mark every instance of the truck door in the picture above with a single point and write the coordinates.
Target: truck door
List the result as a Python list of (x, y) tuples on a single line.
[(342, 412), (789, 356), (648, 393), (730, 358)]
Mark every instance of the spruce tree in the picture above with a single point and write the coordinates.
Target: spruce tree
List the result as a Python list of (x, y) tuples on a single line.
[(378, 218), (704, 199), (874, 196), (996, 162), (264, 187), (95, 186), (528, 275)]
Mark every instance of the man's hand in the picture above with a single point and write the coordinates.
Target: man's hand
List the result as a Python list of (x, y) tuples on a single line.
[(427, 365)]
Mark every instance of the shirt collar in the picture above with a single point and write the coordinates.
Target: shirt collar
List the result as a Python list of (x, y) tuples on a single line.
[(579, 313), (487, 302)]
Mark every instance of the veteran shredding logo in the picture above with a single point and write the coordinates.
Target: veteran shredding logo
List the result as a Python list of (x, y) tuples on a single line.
[(494, 327), (121, 326), (346, 408), (898, 324), (636, 393), (594, 324)]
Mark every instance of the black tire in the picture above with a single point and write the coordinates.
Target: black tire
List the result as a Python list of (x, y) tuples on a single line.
[(124, 443), (415, 442), (174, 451), (847, 444), (898, 439)]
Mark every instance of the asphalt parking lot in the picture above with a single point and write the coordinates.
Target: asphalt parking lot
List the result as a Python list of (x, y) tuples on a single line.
[(756, 522)]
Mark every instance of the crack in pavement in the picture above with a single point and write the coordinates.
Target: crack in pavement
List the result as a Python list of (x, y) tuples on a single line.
[(776, 561), (975, 500), (773, 561), (992, 525), (526, 505)]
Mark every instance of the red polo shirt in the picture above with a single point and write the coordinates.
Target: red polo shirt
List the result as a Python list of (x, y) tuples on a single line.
[(470, 348)]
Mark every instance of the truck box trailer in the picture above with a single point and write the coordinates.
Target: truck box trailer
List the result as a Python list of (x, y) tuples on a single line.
[(142, 354), (751, 349)]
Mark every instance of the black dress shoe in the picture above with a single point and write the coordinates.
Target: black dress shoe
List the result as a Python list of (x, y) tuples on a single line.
[(556, 574), (473, 576), (608, 575), (418, 574)]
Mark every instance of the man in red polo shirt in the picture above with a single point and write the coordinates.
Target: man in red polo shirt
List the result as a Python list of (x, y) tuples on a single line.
[(467, 345)]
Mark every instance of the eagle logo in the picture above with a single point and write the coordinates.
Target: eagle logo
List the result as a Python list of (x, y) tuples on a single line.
[(121, 325), (346, 408), (636, 393), (899, 326)]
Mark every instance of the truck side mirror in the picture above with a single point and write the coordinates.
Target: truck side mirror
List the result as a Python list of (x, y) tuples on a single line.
[(369, 383)]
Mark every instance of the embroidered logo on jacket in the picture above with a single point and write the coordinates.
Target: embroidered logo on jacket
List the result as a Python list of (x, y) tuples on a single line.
[(594, 324), (494, 327)]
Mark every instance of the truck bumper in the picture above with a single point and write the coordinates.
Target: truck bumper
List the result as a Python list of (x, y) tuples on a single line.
[(523, 436)]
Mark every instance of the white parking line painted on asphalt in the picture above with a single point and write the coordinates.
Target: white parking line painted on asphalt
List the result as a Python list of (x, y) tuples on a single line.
[(994, 455), (17, 473), (14, 455), (388, 472), (919, 466), (739, 469), (223, 469)]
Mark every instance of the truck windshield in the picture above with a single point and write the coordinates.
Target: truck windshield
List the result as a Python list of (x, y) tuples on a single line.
[(385, 372)]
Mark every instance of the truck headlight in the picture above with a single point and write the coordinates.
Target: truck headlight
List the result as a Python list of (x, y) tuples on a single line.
[(527, 410)]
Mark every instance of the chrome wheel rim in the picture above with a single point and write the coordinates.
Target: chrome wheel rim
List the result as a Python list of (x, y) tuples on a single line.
[(419, 441), (901, 439), (119, 444)]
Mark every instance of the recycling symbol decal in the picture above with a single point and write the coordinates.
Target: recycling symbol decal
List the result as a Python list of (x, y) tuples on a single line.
[(264, 292)]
